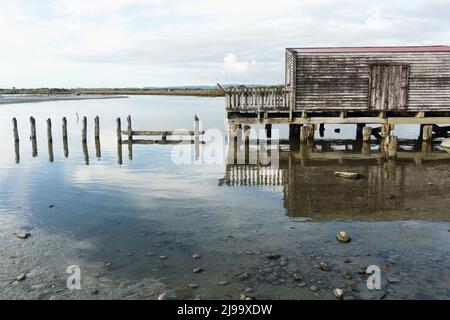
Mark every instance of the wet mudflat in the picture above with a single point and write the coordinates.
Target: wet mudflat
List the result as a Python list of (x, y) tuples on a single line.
[(150, 228)]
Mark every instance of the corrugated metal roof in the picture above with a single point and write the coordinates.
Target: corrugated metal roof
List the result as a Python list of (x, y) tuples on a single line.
[(374, 49)]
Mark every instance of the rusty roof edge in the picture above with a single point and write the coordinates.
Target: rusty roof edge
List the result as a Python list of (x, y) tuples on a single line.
[(362, 49)]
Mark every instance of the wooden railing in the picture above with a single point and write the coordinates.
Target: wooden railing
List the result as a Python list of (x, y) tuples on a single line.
[(258, 98)]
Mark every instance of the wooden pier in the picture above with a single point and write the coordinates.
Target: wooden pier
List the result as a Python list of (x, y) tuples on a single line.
[(363, 86)]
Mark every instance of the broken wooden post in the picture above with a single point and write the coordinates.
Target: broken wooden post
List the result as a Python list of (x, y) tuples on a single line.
[(196, 137), (119, 131), (84, 131), (366, 134), (15, 130), (392, 147), (97, 127), (385, 130), (49, 131), (427, 133), (50, 140), (310, 132), (129, 129), (33, 128), (65, 141), (303, 134)]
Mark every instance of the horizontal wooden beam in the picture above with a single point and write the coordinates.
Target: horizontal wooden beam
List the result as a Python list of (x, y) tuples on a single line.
[(171, 142), (163, 133)]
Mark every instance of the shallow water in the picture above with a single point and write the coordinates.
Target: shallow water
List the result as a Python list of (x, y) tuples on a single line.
[(115, 221)]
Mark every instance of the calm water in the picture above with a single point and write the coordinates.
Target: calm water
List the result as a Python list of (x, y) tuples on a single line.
[(133, 228)]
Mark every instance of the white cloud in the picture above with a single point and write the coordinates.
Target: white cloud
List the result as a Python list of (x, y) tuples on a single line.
[(177, 42), (232, 65)]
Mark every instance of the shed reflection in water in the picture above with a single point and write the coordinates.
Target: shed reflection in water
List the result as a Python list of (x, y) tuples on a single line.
[(406, 188)]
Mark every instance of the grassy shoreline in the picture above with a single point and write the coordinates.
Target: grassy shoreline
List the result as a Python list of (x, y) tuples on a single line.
[(169, 92)]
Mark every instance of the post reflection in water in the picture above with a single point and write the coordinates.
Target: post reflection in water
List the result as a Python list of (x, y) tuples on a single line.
[(391, 189), (17, 152), (85, 153)]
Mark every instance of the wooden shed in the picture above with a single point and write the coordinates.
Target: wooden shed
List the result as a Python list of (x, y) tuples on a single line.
[(415, 79)]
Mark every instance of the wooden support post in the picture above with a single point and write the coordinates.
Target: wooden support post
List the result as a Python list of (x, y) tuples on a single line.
[(197, 137), (366, 134), (33, 128), (303, 134), (50, 140), (15, 130), (129, 129), (49, 131), (365, 150), (65, 140), (119, 131), (393, 146), (246, 135), (84, 131), (427, 133), (97, 128), (359, 130), (385, 130), (85, 152), (310, 132)]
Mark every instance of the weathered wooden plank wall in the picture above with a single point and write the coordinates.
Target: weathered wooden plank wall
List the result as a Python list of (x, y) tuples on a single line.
[(341, 81)]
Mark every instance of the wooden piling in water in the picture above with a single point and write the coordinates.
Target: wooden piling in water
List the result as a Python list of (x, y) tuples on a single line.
[(65, 139), (85, 152), (196, 137), (33, 128), (17, 151), (129, 129), (97, 127), (303, 134), (84, 131), (366, 134), (50, 140), (15, 130), (119, 131), (385, 130), (392, 147), (427, 134)]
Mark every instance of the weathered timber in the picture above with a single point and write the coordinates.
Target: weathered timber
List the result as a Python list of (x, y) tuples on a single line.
[(84, 131), (50, 140), (367, 133), (393, 147), (65, 137), (97, 127), (427, 133), (119, 131), (129, 128), (15, 130), (33, 128)]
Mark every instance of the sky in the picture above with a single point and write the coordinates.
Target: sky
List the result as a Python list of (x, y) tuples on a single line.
[(139, 43)]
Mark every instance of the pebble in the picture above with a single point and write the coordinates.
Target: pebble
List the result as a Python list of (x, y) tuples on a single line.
[(51, 206), (301, 284), (93, 291), (197, 270), (21, 277), (167, 296), (314, 288), (249, 290), (342, 236), (297, 276), (108, 264), (393, 280), (23, 235), (243, 276), (347, 260), (223, 283), (193, 285), (347, 275), (273, 256), (195, 256), (283, 262), (163, 257), (338, 293), (324, 267)]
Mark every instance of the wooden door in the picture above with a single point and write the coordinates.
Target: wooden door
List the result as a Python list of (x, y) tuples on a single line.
[(389, 87)]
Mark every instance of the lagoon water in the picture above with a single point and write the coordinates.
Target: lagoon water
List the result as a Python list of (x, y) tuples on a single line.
[(132, 228)]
